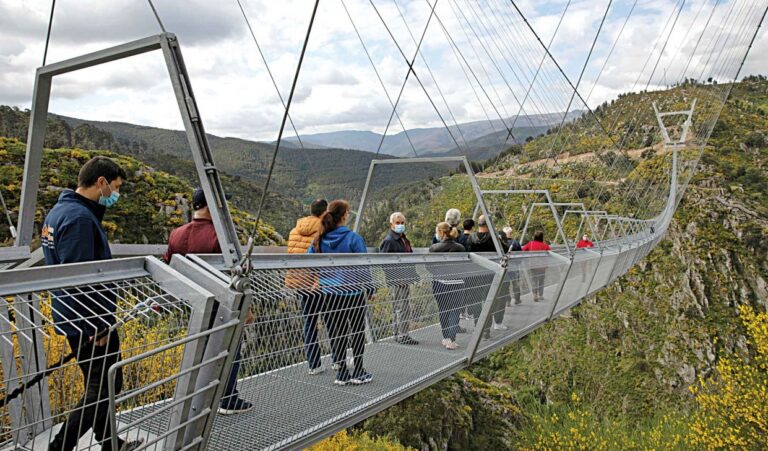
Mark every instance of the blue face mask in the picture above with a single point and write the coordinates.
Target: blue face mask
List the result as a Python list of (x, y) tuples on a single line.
[(109, 201), (399, 228)]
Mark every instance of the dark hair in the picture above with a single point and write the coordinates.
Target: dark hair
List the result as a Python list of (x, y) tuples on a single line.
[(503, 236), (318, 207), (538, 236), (99, 167), (468, 224), (331, 219)]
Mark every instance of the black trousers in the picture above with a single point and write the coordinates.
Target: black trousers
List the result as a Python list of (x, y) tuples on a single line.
[(92, 411), (345, 317)]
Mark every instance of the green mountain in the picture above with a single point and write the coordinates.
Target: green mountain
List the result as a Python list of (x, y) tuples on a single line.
[(641, 363), (436, 141), (300, 175), (153, 202)]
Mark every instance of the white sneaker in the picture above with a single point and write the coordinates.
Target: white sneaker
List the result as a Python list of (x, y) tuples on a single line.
[(316, 371), (450, 344), (499, 327)]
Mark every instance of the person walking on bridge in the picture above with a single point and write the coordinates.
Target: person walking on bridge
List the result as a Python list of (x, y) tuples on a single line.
[(399, 279), (72, 233), (452, 217), (537, 274), (447, 287), (513, 267), (584, 242), (467, 225), (346, 290), (482, 241), (305, 283), (199, 237)]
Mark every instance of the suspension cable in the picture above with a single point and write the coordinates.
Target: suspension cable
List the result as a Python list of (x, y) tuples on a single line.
[(562, 72), (48, 35), (378, 76), (263, 57), (431, 74), (157, 16), (8, 216), (578, 82), (280, 134), (407, 61)]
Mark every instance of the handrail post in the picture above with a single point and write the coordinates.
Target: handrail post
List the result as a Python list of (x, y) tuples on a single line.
[(485, 314), (364, 197), (483, 207), (232, 304), (561, 287)]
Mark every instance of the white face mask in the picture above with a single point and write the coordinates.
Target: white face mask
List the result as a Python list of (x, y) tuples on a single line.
[(399, 228)]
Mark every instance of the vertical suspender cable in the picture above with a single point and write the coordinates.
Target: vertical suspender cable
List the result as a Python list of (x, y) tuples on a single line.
[(8, 215)]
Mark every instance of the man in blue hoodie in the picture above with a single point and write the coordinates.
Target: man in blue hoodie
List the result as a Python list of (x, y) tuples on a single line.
[(72, 233)]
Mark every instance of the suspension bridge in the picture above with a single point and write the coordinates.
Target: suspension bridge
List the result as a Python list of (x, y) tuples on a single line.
[(182, 325)]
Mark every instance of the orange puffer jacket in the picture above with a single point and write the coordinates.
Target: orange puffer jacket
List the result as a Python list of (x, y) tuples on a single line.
[(299, 240)]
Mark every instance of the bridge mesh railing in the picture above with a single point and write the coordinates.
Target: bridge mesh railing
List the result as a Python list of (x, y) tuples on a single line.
[(145, 313), (312, 313), (405, 320), (362, 312)]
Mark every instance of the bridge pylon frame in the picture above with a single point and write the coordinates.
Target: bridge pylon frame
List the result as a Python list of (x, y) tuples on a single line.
[(472, 180), (550, 203), (207, 171)]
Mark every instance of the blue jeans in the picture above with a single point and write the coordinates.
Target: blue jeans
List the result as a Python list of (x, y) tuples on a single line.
[(449, 298), (312, 308)]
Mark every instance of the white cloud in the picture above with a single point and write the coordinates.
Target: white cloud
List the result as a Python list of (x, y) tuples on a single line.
[(337, 88)]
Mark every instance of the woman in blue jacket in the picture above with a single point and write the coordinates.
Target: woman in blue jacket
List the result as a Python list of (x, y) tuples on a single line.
[(346, 291)]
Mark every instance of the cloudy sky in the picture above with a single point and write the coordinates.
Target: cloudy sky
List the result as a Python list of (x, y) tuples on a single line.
[(477, 59)]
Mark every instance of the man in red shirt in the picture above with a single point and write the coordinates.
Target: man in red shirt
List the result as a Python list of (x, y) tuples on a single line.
[(584, 242), (199, 237), (537, 274)]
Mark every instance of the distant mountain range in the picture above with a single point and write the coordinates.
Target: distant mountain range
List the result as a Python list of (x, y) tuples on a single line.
[(476, 139)]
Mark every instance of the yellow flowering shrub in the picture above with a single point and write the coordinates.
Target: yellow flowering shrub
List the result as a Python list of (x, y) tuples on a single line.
[(575, 426), (733, 405), (65, 385), (344, 441)]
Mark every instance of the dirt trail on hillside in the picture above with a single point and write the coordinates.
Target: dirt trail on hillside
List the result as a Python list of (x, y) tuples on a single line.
[(566, 158)]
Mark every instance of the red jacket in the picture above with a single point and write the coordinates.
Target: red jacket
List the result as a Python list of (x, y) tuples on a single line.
[(536, 246), (196, 237), (584, 243)]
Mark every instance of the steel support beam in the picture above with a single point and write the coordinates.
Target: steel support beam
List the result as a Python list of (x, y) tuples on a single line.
[(485, 314), (231, 305), (201, 152), (472, 180)]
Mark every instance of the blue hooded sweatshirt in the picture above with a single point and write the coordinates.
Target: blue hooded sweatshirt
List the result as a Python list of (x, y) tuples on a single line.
[(72, 233), (354, 280)]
